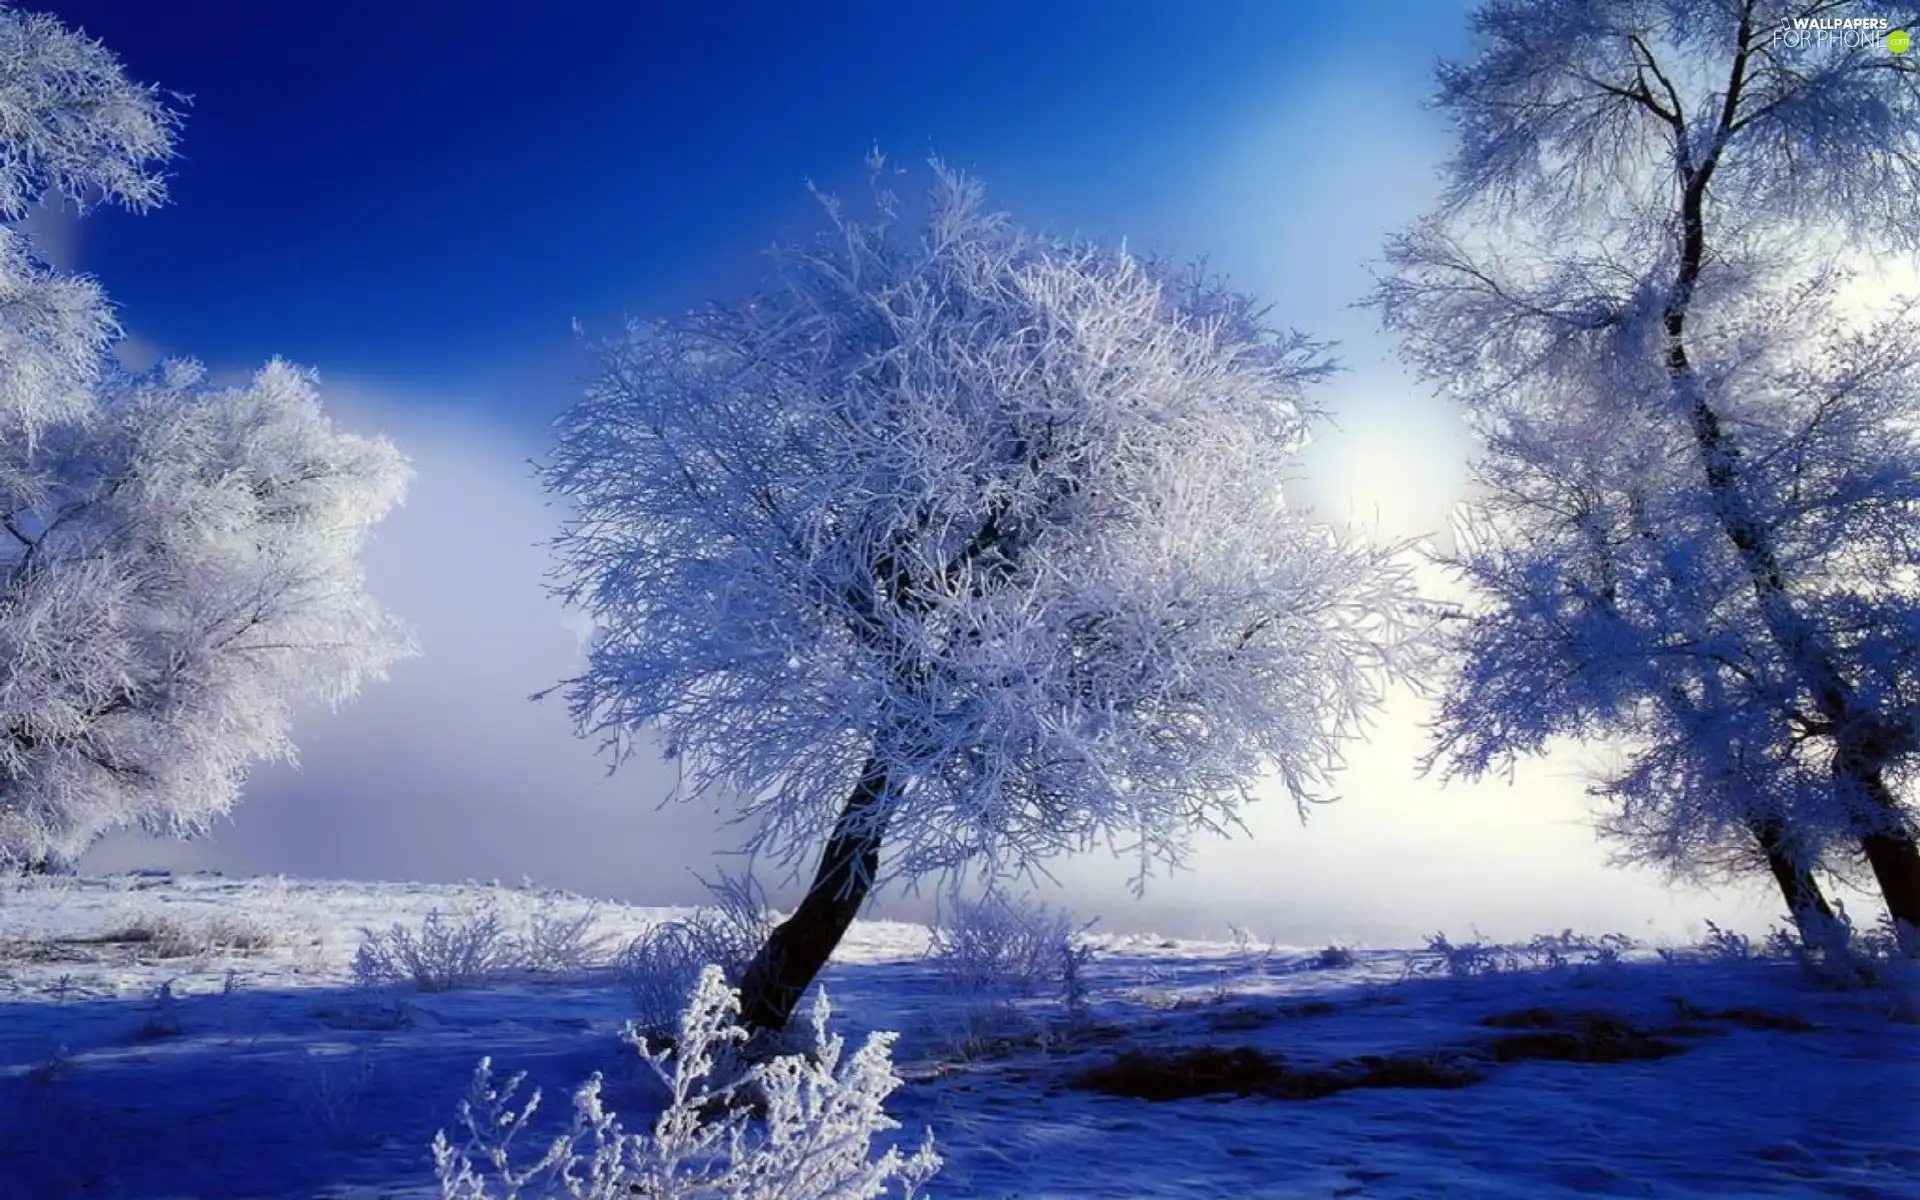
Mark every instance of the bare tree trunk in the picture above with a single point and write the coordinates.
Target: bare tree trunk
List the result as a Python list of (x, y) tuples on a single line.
[(1806, 904), (799, 947)]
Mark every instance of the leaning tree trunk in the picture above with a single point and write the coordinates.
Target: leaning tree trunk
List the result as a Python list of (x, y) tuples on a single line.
[(1895, 861), (1806, 904), (1891, 851), (1861, 749), (799, 947), (1861, 753)]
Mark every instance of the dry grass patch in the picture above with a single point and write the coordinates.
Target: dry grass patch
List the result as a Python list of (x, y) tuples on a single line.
[(1182, 1074), (1239, 1020), (155, 937), (1746, 1017), (1526, 1035)]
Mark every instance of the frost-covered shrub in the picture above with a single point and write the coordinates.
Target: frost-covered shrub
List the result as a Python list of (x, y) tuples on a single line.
[(237, 935), (1890, 940), (1725, 945), (1840, 955), (814, 1142), (1545, 951), (160, 937), (445, 954), (1074, 988), (663, 965), (553, 944), (997, 945), (383, 1013), (161, 1016), (331, 1096), (980, 1029), (1334, 957), (1830, 950), (1252, 955), (1464, 959), (1556, 951), (993, 952)]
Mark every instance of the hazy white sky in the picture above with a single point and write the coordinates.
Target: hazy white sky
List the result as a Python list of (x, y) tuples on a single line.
[(449, 772)]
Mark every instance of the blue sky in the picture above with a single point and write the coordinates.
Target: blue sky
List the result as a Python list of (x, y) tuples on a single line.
[(419, 197), (433, 190)]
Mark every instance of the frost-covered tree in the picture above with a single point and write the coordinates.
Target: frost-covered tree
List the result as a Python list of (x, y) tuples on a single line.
[(969, 546), (72, 126), (72, 123), (1600, 616), (191, 577), (178, 562), (1701, 467)]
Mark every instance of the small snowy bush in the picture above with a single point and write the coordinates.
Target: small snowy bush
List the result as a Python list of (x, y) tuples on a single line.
[(1251, 956), (161, 1018), (1464, 959), (1545, 951), (237, 935), (1556, 951), (1725, 945), (1005, 946), (1074, 989), (1841, 955), (558, 945), (814, 1141), (659, 965), (161, 937), (331, 1097), (982, 1029), (1889, 940), (444, 955), (1831, 951), (663, 965), (1334, 957)]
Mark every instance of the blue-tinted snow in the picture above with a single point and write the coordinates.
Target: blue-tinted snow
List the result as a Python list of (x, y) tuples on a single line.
[(292, 1083)]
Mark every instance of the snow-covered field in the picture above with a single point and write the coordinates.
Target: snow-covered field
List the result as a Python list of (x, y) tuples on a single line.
[(202, 1037)]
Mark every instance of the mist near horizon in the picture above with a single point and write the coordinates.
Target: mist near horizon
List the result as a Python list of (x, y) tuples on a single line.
[(450, 771)]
